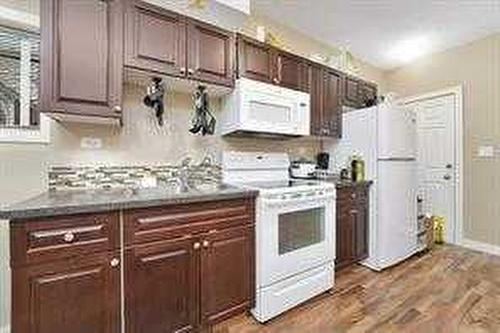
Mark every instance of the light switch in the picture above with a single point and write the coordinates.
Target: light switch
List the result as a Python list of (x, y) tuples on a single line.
[(486, 151)]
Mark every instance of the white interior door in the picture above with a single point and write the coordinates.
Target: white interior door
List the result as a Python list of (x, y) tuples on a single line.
[(436, 158)]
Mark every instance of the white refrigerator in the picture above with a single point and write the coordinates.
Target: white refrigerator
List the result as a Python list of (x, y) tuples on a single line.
[(385, 137)]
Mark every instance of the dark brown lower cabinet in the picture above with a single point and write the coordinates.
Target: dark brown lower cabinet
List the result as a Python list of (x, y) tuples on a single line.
[(186, 267), (169, 283), (78, 295), (227, 272), (161, 286), (352, 224)]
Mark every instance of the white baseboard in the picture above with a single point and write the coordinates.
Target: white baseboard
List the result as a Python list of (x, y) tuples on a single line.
[(479, 246)]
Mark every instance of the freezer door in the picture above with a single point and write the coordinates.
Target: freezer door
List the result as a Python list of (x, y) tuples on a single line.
[(397, 132), (397, 211)]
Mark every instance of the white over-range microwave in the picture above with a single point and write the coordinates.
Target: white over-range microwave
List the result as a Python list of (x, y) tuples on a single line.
[(264, 109)]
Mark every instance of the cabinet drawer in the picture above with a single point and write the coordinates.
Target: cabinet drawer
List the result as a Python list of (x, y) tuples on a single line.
[(47, 239), (157, 224)]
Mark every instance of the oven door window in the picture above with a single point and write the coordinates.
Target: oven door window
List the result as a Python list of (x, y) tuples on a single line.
[(300, 229)]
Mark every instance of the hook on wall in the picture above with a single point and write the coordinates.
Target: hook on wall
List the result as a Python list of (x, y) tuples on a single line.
[(154, 98)]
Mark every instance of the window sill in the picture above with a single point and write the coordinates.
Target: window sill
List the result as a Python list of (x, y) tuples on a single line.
[(26, 134)]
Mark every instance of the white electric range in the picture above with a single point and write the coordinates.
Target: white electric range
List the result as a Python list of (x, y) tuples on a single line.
[(295, 231)]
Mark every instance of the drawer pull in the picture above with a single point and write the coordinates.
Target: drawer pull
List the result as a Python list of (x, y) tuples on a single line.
[(65, 232), (196, 246), (114, 262), (353, 195), (69, 237), (206, 243)]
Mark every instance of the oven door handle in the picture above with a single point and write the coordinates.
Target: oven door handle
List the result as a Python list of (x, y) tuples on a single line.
[(321, 201)]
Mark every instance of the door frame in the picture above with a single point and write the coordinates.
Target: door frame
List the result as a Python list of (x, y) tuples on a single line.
[(456, 91)]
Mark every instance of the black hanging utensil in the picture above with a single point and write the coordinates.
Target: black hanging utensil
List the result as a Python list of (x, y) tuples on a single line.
[(203, 121), (154, 98)]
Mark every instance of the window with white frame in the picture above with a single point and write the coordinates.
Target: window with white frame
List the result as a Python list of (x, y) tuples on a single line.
[(20, 120)]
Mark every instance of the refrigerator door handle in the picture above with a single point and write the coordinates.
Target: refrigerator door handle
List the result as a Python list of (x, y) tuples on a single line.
[(400, 159)]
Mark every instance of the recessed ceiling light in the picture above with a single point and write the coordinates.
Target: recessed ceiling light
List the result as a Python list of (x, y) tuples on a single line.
[(410, 49)]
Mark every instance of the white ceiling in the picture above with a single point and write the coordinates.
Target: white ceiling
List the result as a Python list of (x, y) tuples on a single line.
[(377, 30)]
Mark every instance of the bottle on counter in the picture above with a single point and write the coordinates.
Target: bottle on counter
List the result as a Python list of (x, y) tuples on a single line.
[(357, 169)]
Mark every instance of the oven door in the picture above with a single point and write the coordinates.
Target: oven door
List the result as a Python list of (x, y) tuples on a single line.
[(294, 236)]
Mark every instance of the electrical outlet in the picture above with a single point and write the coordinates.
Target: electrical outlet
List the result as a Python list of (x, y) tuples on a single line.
[(91, 143), (486, 151)]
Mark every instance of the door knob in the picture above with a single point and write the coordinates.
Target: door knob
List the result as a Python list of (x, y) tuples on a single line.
[(447, 177)]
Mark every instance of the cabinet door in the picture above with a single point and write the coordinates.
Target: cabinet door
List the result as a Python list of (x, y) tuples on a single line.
[(73, 295), (227, 273), (316, 92), (361, 219), (81, 57), (368, 94), (162, 287), (155, 39), (332, 104), (345, 235), (255, 60), (290, 71), (352, 92), (211, 53)]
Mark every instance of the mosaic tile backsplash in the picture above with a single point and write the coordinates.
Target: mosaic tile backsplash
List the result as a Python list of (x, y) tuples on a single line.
[(107, 177)]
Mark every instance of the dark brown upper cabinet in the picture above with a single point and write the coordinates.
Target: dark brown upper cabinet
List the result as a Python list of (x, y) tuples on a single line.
[(368, 94), (326, 101), (167, 43), (352, 88), (291, 71), (358, 93), (332, 103), (262, 62), (255, 60), (155, 39), (81, 58), (211, 54)]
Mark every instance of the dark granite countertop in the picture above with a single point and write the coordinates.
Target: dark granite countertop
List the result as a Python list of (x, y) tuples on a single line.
[(90, 201), (340, 183)]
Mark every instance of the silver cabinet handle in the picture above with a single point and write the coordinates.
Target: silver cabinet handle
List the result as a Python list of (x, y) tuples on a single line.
[(190, 71), (196, 246), (117, 109), (447, 177), (65, 232), (206, 243), (183, 70), (114, 262)]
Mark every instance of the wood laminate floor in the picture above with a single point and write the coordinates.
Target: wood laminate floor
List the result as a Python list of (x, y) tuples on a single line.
[(449, 289)]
